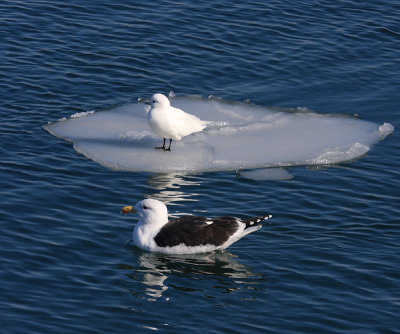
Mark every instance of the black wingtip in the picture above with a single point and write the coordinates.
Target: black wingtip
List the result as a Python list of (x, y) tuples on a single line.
[(256, 221)]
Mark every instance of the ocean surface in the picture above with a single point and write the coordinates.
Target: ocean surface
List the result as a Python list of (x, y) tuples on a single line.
[(327, 262)]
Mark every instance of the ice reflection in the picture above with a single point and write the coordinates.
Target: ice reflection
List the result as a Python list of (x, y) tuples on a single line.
[(205, 274), (168, 187), (172, 180)]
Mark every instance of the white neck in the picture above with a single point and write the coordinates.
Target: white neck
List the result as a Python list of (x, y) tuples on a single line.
[(148, 227)]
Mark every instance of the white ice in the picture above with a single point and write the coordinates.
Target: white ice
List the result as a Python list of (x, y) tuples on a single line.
[(242, 136)]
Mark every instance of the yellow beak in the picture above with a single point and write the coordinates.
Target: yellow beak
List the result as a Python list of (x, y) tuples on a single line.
[(128, 209)]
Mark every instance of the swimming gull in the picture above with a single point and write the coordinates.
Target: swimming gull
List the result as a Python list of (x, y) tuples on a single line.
[(169, 122), (187, 234)]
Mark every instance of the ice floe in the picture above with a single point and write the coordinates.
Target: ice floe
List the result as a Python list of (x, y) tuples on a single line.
[(241, 136)]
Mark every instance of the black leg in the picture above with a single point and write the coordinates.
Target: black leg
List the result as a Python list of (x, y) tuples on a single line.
[(169, 147), (161, 147)]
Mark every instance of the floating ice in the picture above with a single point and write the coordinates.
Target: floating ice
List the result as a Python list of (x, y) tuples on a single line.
[(242, 136), (267, 174), (82, 114), (384, 130)]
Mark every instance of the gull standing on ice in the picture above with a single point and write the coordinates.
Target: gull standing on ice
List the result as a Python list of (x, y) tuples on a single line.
[(187, 234), (169, 122)]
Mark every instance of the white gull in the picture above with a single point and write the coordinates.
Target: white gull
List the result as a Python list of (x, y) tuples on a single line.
[(170, 122)]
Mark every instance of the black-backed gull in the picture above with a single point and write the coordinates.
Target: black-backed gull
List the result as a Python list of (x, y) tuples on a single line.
[(170, 122), (187, 234)]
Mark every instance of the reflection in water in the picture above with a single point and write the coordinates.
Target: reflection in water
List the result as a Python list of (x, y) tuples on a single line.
[(189, 274), (168, 186), (171, 180)]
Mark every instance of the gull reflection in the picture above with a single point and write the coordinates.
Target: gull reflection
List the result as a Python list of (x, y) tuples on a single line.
[(207, 274), (168, 186)]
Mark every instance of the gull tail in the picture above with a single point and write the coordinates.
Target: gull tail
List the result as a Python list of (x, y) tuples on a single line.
[(255, 222), (250, 225), (206, 124)]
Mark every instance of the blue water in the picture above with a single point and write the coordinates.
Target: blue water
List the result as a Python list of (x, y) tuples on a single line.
[(328, 261)]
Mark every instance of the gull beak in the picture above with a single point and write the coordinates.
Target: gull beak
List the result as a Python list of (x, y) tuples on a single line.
[(128, 209), (148, 103)]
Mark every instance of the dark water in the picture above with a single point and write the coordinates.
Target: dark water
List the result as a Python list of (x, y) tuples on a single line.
[(328, 262)]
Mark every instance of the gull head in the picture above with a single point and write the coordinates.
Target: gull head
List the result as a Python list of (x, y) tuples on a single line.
[(159, 101), (148, 210)]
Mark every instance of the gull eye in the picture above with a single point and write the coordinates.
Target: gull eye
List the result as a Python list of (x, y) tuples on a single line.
[(145, 207)]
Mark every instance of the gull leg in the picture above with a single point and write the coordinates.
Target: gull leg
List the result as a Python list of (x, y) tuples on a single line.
[(161, 147), (169, 147)]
